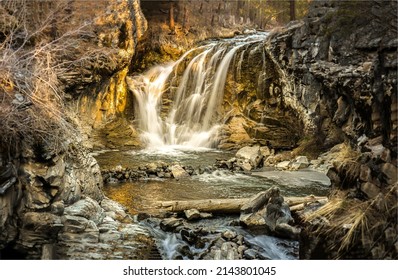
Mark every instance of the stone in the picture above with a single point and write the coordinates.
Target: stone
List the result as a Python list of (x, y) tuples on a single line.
[(250, 254), (300, 162), (386, 155), (151, 168), (71, 237), (342, 112), (110, 236), (204, 215), (245, 165), (298, 165), (229, 234), (265, 151), (48, 252), (370, 190), (57, 208), (302, 159), (390, 172), (287, 231), (251, 220), (55, 173), (365, 173), (178, 172), (283, 165), (250, 154), (41, 221), (87, 208), (170, 224), (192, 214), (74, 224), (115, 207)]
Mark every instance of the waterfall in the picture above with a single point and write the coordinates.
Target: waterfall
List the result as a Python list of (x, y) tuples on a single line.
[(193, 118)]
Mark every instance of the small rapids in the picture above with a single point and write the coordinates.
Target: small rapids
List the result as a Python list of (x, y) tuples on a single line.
[(213, 244)]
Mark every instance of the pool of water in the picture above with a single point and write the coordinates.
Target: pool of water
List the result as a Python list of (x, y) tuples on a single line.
[(140, 196)]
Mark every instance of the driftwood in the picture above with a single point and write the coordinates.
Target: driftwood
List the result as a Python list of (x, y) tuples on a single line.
[(233, 205), (301, 206)]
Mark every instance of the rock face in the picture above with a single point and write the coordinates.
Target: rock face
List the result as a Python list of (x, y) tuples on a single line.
[(102, 97), (51, 202), (340, 78), (56, 210)]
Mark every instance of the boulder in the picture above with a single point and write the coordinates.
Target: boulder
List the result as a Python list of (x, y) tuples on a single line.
[(250, 154), (178, 172)]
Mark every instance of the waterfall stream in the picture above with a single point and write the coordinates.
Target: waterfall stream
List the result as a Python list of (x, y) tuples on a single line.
[(193, 119)]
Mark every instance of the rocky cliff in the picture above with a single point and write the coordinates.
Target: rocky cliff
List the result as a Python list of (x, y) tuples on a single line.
[(339, 69), (51, 202)]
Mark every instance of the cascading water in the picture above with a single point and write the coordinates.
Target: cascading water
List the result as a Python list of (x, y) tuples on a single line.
[(193, 119)]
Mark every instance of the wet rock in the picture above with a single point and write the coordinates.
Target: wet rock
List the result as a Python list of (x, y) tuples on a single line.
[(45, 223), (48, 252), (250, 254), (4, 186), (229, 234), (178, 172), (287, 231), (87, 208), (194, 214), (170, 224)]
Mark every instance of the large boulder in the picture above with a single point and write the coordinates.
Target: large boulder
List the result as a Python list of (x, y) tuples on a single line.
[(251, 155)]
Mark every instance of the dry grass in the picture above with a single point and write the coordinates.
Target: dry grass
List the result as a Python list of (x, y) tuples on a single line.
[(350, 223), (37, 49)]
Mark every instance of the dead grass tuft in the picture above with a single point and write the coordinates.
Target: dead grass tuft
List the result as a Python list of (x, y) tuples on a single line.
[(349, 222)]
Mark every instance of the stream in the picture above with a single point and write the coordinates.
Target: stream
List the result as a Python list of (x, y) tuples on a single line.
[(140, 196)]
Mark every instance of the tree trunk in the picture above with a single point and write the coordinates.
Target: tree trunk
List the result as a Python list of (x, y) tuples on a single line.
[(230, 206), (292, 10), (185, 23), (171, 17)]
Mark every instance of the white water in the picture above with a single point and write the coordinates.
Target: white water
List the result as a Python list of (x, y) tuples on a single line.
[(193, 118)]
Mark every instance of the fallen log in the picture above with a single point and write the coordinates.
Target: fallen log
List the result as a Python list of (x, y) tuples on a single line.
[(301, 206), (230, 206)]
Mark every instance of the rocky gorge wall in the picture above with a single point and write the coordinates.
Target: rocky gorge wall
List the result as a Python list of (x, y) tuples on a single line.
[(339, 68), (51, 200)]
